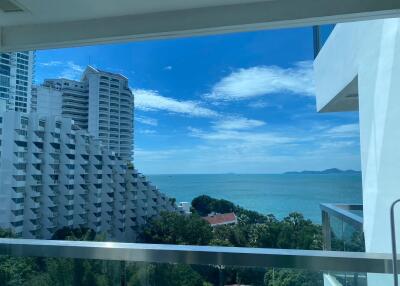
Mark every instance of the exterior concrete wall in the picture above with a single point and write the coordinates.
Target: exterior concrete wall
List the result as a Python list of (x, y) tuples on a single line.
[(50, 101)]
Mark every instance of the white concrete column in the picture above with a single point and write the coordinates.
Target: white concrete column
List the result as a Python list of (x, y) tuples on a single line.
[(368, 54), (379, 107)]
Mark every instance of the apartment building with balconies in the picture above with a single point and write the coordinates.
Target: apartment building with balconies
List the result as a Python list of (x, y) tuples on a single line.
[(55, 174), (101, 102)]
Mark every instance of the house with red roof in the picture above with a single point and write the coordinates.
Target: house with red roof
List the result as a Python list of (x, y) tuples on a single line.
[(221, 219)]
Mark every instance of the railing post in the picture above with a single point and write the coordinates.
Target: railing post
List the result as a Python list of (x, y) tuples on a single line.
[(394, 250), (326, 231), (122, 266)]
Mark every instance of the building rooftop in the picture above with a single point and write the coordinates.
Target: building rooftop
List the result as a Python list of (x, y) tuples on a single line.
[(220, 219)]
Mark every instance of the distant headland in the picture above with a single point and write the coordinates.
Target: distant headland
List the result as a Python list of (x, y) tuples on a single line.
[(324, 172)]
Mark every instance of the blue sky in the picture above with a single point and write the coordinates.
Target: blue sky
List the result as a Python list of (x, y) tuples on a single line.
[(241, 103)]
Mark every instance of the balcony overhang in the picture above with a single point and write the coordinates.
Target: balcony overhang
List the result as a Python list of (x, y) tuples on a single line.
[(336, 72), (51, 24), (345, 100)]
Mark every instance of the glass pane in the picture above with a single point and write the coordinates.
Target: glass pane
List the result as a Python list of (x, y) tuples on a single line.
[(353, 239), (60, 271), (336, 234), (175, 141), (39, 271)]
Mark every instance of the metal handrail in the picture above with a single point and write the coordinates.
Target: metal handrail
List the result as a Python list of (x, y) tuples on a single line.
[(342, 211), (313, 260)]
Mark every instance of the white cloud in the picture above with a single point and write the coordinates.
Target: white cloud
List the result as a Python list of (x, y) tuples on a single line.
[(151, 100), (147, 131), (72, 71), (344, 131), (146, 120), (255, 151), (51, 64), (262, 80), (154, 155), (337, 144), (259, 104), (251, 138), (237, 123), (69, 70)]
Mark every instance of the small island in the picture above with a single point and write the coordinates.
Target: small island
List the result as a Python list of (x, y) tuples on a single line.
[(324, 172)]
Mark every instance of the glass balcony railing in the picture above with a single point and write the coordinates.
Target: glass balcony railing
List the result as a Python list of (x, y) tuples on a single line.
[(342, 227), (48, 262)]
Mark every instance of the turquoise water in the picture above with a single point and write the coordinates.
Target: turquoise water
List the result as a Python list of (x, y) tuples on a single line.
[(276, 194)]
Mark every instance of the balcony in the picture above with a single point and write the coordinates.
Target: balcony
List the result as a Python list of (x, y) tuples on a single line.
[(35, 171), (34, 205), (54, 159), (36, 149), (68, 161), (20, 172), (53, 182), (35, 227), (21, 149), (38, 136), (69, 151), (20, 137), (35, 193), (18, 184), (48, 202), (17, 218), (20, 160), (36, 182), (36, 160)]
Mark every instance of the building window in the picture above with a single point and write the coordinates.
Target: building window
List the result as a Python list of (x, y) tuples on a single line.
[(24, 121)]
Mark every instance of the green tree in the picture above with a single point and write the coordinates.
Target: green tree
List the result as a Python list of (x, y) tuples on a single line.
[(264, 234), (234, 234), (288, 277), (69, 233), (202, 205), (163, 274), (173, 228), (299, 233)]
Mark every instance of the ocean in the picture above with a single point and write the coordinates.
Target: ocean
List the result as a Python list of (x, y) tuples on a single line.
[(268, 194)]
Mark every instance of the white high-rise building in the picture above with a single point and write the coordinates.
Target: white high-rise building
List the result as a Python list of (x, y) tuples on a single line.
[(54, 174), (16, 78), (101, 102), (62, 97)]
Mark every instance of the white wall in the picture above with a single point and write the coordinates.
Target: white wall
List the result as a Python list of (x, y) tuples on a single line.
[(49, 101), (370, 51)]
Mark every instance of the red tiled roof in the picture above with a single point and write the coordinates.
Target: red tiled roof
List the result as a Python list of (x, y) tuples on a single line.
[(221, 219)]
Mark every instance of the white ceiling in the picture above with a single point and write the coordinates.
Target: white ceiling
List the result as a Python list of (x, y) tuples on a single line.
[(63, 23), (47, 11)]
